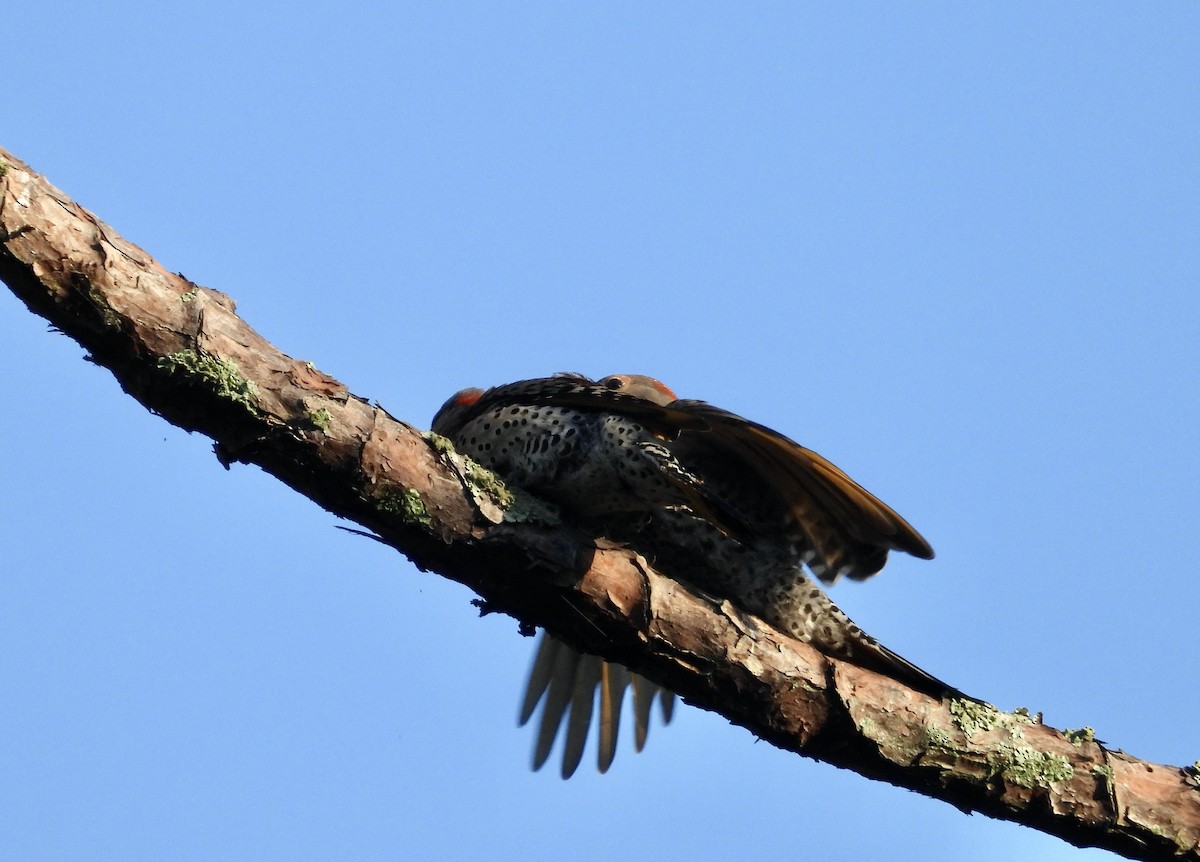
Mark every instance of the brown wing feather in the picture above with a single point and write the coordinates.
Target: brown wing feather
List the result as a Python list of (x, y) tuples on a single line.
[(805, 479)]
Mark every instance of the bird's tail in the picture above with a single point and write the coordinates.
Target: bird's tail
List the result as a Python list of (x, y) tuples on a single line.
[(806, 613), (567, 681), (868, 653)]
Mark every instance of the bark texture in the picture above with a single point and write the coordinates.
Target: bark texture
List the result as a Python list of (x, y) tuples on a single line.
[(182, 351)]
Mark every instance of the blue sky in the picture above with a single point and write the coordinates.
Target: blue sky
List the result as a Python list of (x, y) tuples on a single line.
[(953, 248)]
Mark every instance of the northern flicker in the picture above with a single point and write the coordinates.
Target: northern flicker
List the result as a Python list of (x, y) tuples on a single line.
[(710, 498)]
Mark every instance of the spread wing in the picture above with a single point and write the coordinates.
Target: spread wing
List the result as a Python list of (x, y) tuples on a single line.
[(850, 529)]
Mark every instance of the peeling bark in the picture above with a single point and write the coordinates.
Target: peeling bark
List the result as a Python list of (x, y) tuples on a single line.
[(182, 351)]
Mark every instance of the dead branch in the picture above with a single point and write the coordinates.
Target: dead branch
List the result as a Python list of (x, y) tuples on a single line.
[(182, 351)]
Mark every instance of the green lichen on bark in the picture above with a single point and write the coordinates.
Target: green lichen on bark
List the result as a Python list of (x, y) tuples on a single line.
[(1027, 766), (99, 303), (973, 717), (1016, 763), (407, 504), (321, 419), (218, 375), (496, 500), (939, 738), (1079, 737)]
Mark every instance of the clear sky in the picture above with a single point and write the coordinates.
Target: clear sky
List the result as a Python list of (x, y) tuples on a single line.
[(952, 247)]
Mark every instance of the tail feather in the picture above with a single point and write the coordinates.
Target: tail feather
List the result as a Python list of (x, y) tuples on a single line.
[(614, 679), (643, 700), (564, 681), (558, 697), (539, 676), (872, 655), (583, 699), (666, 700)]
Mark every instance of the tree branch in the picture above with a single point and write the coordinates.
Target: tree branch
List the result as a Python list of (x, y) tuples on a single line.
[(181, 350)]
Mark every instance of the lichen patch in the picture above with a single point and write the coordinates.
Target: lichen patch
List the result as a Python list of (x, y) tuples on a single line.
[(219, 375)]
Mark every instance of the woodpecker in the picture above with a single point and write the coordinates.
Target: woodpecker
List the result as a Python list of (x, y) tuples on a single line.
[(711, 499)]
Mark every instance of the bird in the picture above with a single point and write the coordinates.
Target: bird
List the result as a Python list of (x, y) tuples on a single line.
[(714, 500)]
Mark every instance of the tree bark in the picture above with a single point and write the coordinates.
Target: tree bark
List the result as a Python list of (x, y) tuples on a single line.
[(182, 351)]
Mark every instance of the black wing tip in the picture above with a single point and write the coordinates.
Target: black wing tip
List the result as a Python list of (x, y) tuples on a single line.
[(905, 538), (922, 551)]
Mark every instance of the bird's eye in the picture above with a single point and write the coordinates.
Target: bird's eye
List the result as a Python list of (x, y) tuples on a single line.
[(613, 382)]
